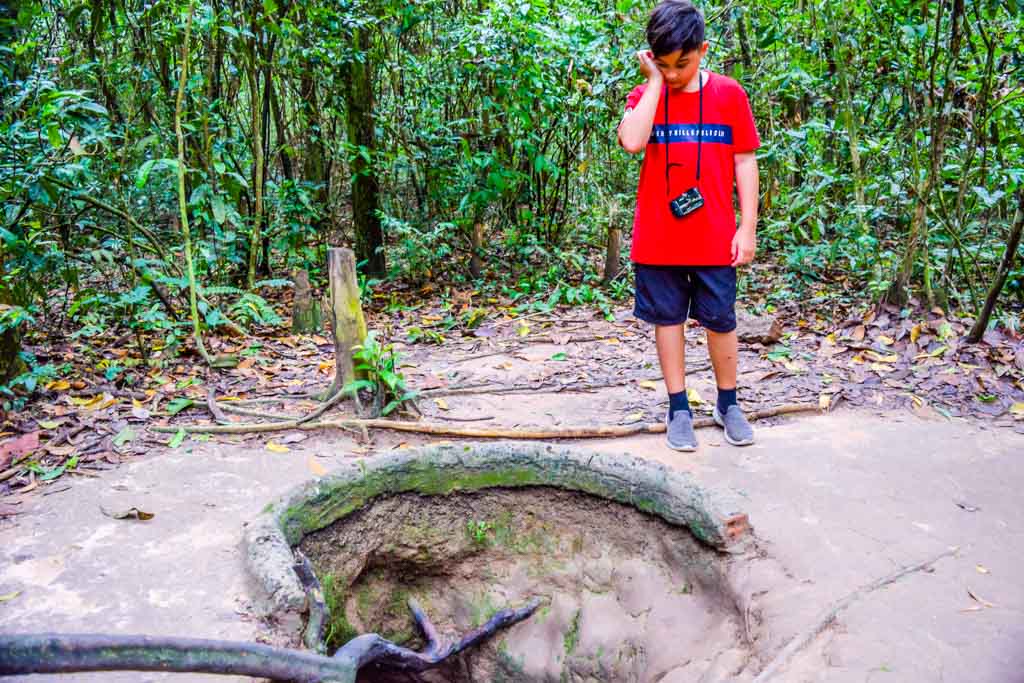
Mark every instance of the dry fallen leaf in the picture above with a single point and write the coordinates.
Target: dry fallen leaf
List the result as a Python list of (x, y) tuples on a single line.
[(824, 402), (276, 447), (440, 403), (694, 396), (632, 417), (130, 513), (16, 448), (981, 601), (981, 569), (648, 384), (316, 468), (9, 596)]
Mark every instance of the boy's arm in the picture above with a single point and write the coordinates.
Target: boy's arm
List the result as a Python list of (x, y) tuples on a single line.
[(636, 125), (744, 243)]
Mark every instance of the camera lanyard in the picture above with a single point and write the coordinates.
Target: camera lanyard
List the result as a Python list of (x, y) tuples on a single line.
[(700, 130)]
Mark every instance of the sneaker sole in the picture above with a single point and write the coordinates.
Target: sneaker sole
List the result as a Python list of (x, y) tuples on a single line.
[(681, 449), (734, 442)]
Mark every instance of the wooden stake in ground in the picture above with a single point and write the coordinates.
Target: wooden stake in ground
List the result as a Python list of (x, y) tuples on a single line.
[(611, 256), (476, 263), (305, 308), (347, 322)]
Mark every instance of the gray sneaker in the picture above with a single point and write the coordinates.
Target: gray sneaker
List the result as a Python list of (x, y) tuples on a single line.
[(738, 431), (679, 431)]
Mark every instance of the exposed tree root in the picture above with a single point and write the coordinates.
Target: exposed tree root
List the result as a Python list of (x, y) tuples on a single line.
[(803, 639), (67, 653), (478, 433)]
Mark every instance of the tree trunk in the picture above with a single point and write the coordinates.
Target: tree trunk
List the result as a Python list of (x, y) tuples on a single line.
[(258, 170), (11, 364), (359, 106), (612, 247), (347, 322), (476, 264), (1005, 265), (917, 238), (197, 333)]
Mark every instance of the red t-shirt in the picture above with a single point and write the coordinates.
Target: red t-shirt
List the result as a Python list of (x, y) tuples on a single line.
[(704, 238)]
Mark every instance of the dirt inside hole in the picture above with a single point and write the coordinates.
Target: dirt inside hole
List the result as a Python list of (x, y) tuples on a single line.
[(626, 596)]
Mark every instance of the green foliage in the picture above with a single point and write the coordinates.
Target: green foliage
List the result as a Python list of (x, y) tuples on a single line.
[(499, 115), (378, 364), (479, 532)]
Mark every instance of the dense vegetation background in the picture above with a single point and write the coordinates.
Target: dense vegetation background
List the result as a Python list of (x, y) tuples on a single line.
[(474, 142)]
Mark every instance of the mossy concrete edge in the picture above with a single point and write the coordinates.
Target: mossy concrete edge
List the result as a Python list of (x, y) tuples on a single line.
[(712, 515)]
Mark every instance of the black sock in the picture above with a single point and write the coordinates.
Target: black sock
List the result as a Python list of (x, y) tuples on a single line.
[(726, 398), (678, 401)]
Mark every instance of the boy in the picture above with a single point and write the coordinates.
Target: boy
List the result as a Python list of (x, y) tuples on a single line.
[(698, 132)]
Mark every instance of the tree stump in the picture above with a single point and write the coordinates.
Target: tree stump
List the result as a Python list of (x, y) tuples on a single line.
[(305, 308), (347, 322), (611, 256), (476, 264)]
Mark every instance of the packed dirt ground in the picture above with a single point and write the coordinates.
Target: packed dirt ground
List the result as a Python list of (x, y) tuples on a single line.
[(887, 478)]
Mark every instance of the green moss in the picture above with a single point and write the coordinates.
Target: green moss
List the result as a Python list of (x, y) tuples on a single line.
[(338, 630), (365, 599), (482, 609), (338, 498), (268, 508), (572, 636)]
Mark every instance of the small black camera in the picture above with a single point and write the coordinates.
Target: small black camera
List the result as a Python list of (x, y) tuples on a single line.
[(686, 203)]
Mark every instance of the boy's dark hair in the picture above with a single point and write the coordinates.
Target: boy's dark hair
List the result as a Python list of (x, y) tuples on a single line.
[(675, 25)]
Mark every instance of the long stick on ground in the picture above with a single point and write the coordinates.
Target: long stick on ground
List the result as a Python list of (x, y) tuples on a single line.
[(602, 432), (804, 639), (545, 387), (67, 653)]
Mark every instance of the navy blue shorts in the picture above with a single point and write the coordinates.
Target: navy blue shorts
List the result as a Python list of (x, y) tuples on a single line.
[(668, 295)]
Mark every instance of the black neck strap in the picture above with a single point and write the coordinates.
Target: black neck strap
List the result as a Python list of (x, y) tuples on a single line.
[(700, 127)]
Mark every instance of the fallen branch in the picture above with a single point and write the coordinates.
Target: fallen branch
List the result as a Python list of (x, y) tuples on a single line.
[(453, 418), (68, 653), (803, 639), (471, 432), (544, 388), (257, 413)]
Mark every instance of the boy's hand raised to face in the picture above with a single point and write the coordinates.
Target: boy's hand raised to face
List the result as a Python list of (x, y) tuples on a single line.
[(647, 66)]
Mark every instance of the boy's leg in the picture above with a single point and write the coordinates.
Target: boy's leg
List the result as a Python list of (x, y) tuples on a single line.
[(663, 299), (671, 344), (723, 348), (715, 308)]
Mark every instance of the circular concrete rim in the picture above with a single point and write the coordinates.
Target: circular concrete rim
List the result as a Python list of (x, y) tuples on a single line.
[(711, 515)]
